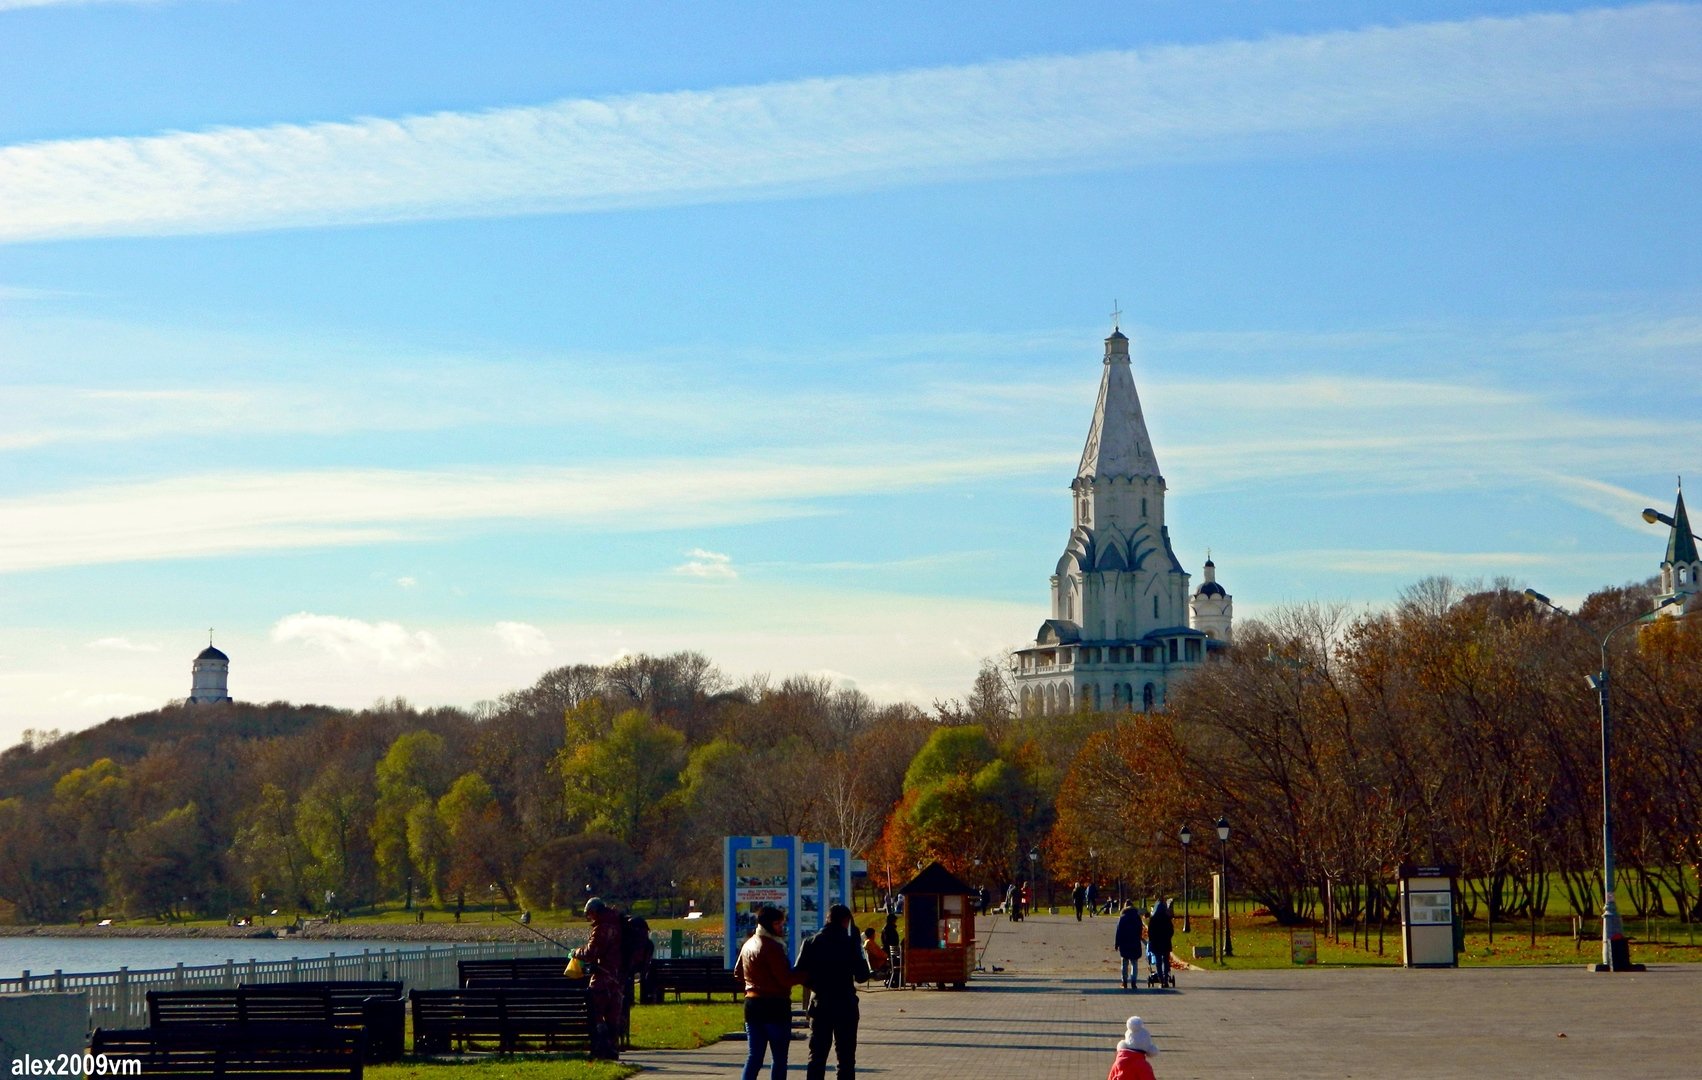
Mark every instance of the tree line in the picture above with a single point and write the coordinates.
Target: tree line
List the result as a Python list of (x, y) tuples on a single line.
[(1455, 727)]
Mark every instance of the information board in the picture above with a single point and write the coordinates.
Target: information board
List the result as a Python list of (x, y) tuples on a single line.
[(759, 870), (812, 888), (1303, 946), (838, 876)]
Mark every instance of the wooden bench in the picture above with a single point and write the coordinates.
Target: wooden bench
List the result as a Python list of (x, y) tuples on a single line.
[(374, 1006), (559, 1018), (268, 1051), (203, 1008), (704, 975), (375, 1011), (515, 969)]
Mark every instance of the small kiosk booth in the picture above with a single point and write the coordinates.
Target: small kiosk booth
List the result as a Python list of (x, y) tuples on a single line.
[(939, 929), (1428, 896)]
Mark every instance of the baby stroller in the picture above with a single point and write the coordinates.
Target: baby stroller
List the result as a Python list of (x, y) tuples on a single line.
[(1158, 971)]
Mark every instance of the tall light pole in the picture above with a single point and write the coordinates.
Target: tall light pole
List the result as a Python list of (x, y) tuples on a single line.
[(1187, 837), (1613, 931), (1223, 840)]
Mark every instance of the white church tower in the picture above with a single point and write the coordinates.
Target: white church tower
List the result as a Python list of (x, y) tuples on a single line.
[(1679, 570), (1119, 631), (1211, 609), (211, 676)]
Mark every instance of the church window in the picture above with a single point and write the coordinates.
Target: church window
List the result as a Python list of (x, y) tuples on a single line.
[(1084, 511), (1146, 654), (1155, 607), (1194, 649), (1172, 650), (1148, 697), (1143, 508), (1681, 575)]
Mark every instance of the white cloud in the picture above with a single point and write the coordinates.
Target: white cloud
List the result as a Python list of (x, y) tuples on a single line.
[(707, 564), (227, 513), (523, 639), (123, 644), (406, 582), (386, 644), (1484, 78), (14, 5)]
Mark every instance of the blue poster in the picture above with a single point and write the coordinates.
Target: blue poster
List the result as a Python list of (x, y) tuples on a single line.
[(758, 870), (812, 887), (838, 877)]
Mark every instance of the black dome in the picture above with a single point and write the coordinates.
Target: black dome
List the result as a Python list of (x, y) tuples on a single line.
[(210, 653), (1210, 588)]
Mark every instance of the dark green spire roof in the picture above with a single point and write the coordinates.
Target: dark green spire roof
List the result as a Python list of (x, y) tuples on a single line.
[(1681, 545)]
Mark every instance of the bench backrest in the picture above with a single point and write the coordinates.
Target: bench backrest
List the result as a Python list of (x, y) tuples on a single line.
[(520, 967), (513, 1007), (203, 1007), (236, 1052)]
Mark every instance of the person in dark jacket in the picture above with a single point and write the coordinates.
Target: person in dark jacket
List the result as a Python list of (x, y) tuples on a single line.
[(1078, 896), (602, 955), (890, 942), (832, 964), (1160, 932), (1129, 946)]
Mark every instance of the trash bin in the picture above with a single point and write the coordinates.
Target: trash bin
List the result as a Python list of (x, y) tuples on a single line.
[(1619, 949)]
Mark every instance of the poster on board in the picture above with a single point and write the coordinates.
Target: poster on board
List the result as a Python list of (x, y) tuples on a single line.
[(838, 876), (812, 888), (758, 870)]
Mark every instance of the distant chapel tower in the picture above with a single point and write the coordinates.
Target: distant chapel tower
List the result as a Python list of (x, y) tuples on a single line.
[(1679, 570), (1119, 631), (211, 677)]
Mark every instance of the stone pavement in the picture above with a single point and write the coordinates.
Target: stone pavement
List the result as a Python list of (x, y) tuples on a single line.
[(1056, 1011)]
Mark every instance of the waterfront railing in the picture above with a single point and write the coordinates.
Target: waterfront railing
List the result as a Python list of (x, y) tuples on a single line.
[(119, 998)]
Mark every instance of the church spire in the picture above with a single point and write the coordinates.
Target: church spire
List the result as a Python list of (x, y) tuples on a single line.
[(1117, 442), (1681, 545)]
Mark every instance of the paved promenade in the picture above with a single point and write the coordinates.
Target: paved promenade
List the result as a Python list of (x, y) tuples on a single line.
[(1057, 1011)]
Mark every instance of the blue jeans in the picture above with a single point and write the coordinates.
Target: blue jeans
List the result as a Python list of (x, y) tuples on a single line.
[(776, 1039), (1131, 969)]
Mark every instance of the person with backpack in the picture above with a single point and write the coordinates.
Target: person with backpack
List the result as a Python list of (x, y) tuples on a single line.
[(832, 964), (602, 956), (890, 942)]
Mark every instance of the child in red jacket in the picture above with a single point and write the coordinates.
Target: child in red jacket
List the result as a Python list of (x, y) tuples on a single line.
[(1134, 1053)]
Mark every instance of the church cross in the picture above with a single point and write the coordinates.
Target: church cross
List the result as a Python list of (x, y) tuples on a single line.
[(1116, 316)]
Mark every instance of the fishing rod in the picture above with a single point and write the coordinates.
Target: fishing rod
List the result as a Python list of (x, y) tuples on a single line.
[(529, 928)]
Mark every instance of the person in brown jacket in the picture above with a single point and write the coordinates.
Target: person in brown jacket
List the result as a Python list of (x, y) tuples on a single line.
[(602, 955), (768, 978)]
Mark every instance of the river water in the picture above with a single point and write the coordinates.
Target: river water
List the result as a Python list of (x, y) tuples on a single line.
[(44, 955)]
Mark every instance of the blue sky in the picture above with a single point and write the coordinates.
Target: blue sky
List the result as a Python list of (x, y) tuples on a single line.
[(419, 348)]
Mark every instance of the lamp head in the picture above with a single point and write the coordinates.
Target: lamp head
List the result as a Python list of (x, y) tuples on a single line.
[(1187, 836), (1223, 829), (1532, 594), (1653, 516)]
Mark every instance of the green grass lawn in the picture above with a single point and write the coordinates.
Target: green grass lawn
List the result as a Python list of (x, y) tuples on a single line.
[(1261, 943)]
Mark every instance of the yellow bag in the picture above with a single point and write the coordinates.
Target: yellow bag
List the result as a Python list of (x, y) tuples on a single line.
[(575, 969)]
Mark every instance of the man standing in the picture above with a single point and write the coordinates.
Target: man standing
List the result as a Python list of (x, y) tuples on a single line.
[(1160, 932), (832, 964), (1078, 896), (768, 979), (602, 955)]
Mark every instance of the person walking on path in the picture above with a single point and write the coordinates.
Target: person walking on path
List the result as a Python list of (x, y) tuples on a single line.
[(768, 978), (1078, 896), (602, 955), (895, 958), (832, 964), (1092, 896), (1134, 1054), (1128, 945), (1010, 903), (1161, 933)]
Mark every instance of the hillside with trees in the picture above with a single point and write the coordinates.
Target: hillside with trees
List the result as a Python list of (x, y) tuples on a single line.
[(1454, 727)]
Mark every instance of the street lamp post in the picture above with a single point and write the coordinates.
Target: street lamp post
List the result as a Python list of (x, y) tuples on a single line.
[(1187, 836), (1223, 879), (1033, 882), (1616, 951)]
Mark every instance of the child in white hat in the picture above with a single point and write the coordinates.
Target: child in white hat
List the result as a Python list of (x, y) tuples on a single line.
[(1133, 1053)]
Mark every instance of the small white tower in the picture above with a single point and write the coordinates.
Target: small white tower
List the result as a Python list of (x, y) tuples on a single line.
[(211, 681), (1682, 566), (1211, 609)]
